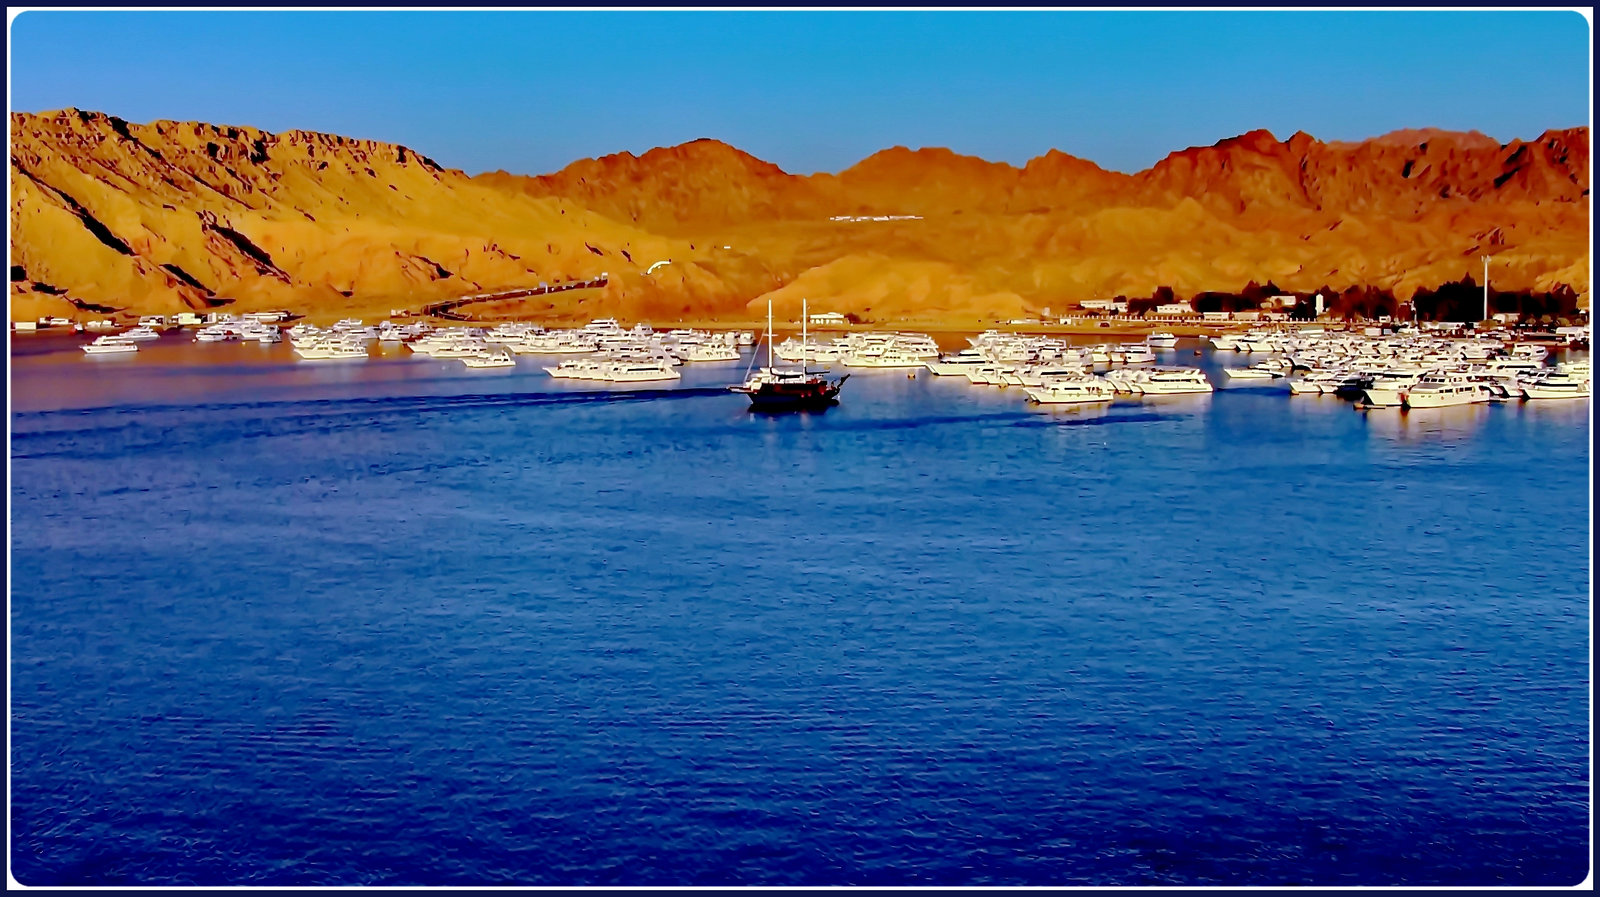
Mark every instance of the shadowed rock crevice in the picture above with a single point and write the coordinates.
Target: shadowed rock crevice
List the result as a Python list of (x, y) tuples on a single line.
[(185, 277), (264, 263), (92, 307), (90, 223)]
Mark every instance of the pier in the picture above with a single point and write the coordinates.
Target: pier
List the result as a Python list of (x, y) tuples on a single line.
[(447, 308)]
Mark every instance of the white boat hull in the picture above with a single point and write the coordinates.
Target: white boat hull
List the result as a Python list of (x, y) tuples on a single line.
[(1384, 398), (1044, 395), (1175, 389), (1444, 400), (1533, 391), (948, 369)]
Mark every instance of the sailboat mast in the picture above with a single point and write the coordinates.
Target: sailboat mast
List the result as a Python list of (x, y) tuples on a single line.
[(769, 334), (804, 368)]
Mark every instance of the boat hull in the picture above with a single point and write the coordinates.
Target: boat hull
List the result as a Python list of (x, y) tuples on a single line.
[(1535, 392), (1384, 398), (813, 396), (1048, 396), (1446, 400)]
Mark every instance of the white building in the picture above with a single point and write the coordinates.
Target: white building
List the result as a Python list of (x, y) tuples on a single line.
[(1174, 308), (827, 319), (1110, 306)]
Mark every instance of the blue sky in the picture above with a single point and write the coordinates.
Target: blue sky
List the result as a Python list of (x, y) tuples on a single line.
[(811, 90)]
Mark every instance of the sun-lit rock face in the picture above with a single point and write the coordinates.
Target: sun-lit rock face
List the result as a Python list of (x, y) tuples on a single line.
[(168, 216)]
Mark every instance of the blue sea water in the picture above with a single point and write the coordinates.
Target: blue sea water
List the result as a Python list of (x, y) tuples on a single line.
[(406, 624)]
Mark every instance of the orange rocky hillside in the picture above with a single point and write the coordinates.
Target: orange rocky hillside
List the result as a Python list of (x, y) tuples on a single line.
[(167, 216), (176, 215)]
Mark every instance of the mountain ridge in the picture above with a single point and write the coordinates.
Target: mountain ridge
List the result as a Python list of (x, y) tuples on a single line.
[(172, 215)]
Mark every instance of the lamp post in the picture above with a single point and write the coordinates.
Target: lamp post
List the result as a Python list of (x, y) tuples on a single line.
[(1485, 288)]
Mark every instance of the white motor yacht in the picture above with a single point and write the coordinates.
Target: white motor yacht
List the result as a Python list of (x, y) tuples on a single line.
[(109, 345), (1442, 389), (1556, 385), (634, 372), (1173, 381), (1389, 387), (1046, 375), (498, 358), (709, 352), (891, 357), (332, 352), (957, 364), (1135, 353), (576, 369), (1075, 391)]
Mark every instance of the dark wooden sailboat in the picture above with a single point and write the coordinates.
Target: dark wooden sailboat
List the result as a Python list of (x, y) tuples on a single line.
[(771, 389)]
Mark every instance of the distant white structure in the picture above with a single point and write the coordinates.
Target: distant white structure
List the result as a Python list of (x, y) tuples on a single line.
[(1173, 308), (1110, 306), (186, 319), (827, 318), (876, 218), (1318, 301)]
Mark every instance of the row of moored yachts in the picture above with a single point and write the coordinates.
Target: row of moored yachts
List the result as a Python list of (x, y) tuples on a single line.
[(613, 353), (1054, 372), (1411, 370)]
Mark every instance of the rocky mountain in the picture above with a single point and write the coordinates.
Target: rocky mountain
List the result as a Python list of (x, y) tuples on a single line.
[(172, 215)]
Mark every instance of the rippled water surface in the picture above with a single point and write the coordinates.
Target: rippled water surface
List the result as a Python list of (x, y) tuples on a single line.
[(402, 623)]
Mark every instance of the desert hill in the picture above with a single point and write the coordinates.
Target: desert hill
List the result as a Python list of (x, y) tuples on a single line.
[(172, 215), (175, 215)]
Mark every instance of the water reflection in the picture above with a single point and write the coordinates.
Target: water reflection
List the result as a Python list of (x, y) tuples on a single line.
[(1190, 402), (1419, 424), (1572, 411), (1071, 413)]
